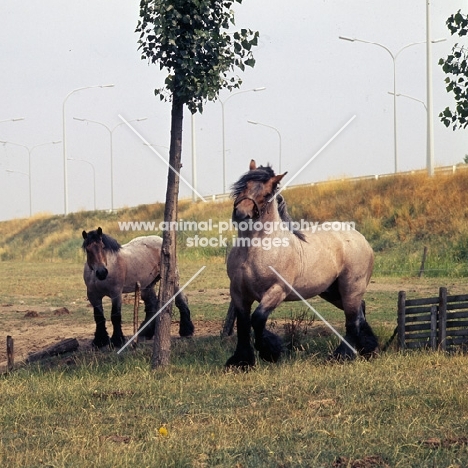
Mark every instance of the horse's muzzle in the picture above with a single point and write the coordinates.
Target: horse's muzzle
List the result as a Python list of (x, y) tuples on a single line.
[(245, 208), (101, 273)]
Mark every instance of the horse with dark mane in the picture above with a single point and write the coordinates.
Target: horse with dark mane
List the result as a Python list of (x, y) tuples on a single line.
[(112, 269), (335, 265)]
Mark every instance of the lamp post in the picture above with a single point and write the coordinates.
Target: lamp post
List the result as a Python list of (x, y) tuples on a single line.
[(430, 122), (279, 136), (194, 158), (94, 176), (410, 97), (30, 150), (65, 176), (429, 86), (12, 120), (394, 57), (111, 133), (223, 127)]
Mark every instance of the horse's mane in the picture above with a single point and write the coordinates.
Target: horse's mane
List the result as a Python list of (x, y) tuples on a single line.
[(109, 242), (264, 174), (285, 216), (261, 174)]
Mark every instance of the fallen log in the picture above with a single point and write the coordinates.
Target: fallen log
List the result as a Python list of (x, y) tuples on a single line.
[(66, 346)]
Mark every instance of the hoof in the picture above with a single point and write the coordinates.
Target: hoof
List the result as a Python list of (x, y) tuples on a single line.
[(270, 347), (343, 353), (368, 345), (243, 362), (186, 331), (146, 332), (118, 341), (101, 341)]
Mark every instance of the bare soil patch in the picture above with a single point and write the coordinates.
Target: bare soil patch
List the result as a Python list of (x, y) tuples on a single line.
[(35, 328)]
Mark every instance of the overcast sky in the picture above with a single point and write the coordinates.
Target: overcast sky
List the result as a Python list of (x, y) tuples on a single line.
[(314, 81)]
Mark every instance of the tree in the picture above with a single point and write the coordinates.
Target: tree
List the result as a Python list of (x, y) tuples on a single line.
[(456, 67), (192, 41)]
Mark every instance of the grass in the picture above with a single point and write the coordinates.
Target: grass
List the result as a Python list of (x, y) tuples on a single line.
[(399, 216), (100, 410), (108, 410)]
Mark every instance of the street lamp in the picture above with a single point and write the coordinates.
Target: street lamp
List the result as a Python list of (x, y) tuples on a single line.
[(429, 108), (94, 176), (111, 132), (223, 128), (30, 150), (394, 56), (410, 97), (65, 177), (279, 136), (12, 120)]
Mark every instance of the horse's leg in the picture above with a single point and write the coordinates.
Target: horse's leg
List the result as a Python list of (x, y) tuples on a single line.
[(101, 337), (367, 342), (268, 344), (186, 327), (359, 333), (333, 295), (148, 295), (117, 338), (244, 355)]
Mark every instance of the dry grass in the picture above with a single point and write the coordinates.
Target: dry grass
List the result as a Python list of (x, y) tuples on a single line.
[(398, 215), (103, 411)]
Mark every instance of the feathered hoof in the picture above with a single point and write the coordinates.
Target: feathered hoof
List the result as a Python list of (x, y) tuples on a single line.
[(242, 363), (101, 341), (118, 341), (187, 330), (270, 348), (342, 353)]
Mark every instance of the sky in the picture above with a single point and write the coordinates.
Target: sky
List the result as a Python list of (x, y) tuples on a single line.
[(314, 84)]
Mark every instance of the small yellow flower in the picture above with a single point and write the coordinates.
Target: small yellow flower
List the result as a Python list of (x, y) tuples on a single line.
[(163, 431)]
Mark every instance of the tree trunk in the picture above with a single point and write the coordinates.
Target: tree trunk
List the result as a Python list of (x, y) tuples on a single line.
[(162, 334)]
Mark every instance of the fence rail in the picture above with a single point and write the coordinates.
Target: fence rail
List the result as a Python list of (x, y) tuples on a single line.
[(434, 322)]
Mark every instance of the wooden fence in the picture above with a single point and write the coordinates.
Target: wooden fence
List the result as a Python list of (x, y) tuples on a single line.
[(436, 322)]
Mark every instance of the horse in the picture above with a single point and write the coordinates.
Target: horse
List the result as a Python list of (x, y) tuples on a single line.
[(112, 269), (271, 262)]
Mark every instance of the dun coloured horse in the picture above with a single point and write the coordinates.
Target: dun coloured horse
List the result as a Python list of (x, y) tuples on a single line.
[(335, 265), (112, 269)]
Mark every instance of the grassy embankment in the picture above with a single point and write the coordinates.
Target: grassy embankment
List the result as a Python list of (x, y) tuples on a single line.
[(398, 215)]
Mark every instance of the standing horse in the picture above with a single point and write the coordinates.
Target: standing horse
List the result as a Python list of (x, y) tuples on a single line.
[(336, 265), (112, 269)]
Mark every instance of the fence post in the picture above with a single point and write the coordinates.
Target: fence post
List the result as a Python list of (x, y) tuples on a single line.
[(136, 305), (401, 319), (443, 318), (10, 353), (423, 261), (433, 327)]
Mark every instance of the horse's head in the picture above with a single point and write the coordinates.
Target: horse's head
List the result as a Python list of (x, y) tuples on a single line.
[(95, 250), (254, 191)]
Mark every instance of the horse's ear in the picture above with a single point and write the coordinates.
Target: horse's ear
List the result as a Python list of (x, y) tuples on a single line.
[(252, 165), (277, 179), (84, 234), (99, 231)]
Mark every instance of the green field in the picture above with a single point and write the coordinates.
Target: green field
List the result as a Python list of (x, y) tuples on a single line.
[(101, 409), (108, 410)]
